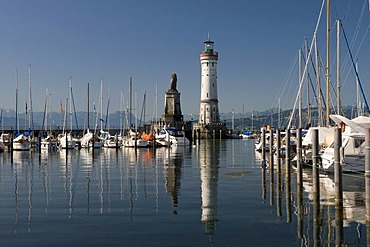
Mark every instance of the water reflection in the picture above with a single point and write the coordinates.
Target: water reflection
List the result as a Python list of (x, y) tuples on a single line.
[(209, 165), (172, 159), (333, 218), (129, 192)]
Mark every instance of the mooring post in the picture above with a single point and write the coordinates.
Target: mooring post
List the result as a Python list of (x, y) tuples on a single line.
[(338, 166), (214, 134), (220, 134), (199, 136), (263, 181), (278, 194), (287, 152), (263, 150), (278, 151), (338, 187), (288, 178), (39, 143), (367, 152), (271, 155), (315, 161), (316, 186), (367, 182), (299, 157), (271, 166), (299, 185)]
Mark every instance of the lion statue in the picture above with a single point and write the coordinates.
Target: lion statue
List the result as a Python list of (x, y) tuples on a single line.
[(173, 82)]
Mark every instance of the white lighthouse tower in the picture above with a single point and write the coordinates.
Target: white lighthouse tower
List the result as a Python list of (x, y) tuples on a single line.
[(209, 117), (208, 98)]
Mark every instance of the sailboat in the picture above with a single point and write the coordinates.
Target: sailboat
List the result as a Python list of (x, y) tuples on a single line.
[(133, 138), (89, 139), (48, 143), (22, 141), (66, 140)]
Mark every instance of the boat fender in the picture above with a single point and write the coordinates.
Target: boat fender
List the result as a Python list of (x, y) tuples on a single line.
[(343, 126), (342, 157)]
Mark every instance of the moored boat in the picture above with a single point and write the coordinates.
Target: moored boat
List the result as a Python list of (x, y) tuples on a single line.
[(169, 136)]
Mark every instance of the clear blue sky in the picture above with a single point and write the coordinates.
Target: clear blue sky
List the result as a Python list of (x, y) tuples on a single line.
[(112, 40)]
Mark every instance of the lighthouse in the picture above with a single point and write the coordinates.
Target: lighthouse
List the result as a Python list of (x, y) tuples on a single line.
[(208, 98), (209, 117)]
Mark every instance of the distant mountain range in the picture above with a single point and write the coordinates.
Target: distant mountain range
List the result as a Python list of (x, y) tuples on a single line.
[(55, 120)]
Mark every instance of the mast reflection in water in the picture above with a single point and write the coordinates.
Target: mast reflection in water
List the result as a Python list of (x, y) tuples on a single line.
[(210, 194)]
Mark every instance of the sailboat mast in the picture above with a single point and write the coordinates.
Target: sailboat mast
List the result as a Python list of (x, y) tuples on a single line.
[(338, 68), (327, 74), (308, 87), (144, 105), (252, 121), (70, 101), (101, 104), (120, 113), (130, 103), (16, 101), (300, 92), (30, 116), (358, 101), (88, 105), (243, 119), (318, 84)]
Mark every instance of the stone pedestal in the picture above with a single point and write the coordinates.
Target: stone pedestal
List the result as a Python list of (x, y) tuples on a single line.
[(172, 109)]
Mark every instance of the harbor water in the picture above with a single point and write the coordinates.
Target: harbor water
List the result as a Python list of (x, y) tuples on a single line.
[(215, 193)]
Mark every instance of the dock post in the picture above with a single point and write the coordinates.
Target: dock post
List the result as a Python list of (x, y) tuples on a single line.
[(263, 150), (338, 187), (278, 151), (278, 173), (299, 185), (288, 178), (367, 153), (367, 182), (338, 166), (214, 134), (299, 157), (287, 152), (315, 162), (278, 193), (263, 181), (316, 186), (271, 166), (199, 136), (271, 154), (220, 134)]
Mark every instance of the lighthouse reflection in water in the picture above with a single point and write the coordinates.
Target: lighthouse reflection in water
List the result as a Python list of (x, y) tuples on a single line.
[(209, 165), (206, 194)]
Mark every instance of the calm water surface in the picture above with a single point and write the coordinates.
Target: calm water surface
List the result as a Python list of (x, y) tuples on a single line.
[(212, 194)]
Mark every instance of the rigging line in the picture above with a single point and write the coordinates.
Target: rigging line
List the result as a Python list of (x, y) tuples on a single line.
[(283, 89), (286, 80), (354, 66), (289, 83), (356, 34), (305, 69), (358, 50), (74, 108), (310, 79)]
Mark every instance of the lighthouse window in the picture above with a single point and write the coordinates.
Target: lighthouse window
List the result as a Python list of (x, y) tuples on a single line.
[(213, 84), (207, 96), (213, 63), (207, 109), (207, 64)]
